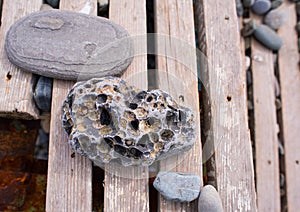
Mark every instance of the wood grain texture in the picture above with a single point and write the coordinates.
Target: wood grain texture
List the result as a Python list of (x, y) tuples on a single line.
[(69, 185), (290, 96), (16, 86), (226, 85), (128, 190), (177, 74), (265, 129)]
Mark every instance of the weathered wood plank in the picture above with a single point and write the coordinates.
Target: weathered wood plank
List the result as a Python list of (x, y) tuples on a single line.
[(177, 74), (290, 96), (16, 87), (226, 85), (265, 129), (126, 192), (69, 185)]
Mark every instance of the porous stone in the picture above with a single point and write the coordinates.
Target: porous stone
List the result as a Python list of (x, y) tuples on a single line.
[(248, 3), (43, 93), (276, 3), (69, 45), (179, 187), (267, 37), (53, 3), (209, 200), (275, 19), (108, 120), (260, 7)]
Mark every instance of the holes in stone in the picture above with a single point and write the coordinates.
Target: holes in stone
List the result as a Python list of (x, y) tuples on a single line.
[(129, 142), (109, 141), (102, 98), (118, 140), (149, 99), (166, 135), (120, 149), (136, 153), (172, 108), (135, 124), (105, 118), (8, 76), (141, 95), (228, 98), (133, 106)]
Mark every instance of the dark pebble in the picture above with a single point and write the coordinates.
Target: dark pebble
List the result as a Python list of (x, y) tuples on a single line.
[(260, 7), (68, 45), (209, 200), (275, 4), (178, 187), (268, 37), (43, 93), (248, 3)]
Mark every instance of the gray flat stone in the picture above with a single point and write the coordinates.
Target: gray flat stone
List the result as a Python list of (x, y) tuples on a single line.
[(178, 187), (209, 200), (69, 45), (268, 37), (275, 19)]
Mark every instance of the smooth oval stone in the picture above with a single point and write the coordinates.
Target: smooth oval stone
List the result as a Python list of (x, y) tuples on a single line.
[(248, 3), (69, 45), (267, 37), (275, 4), (53, 3), (43, 93), (209, 200), (275, 19), (260, 7), (177, 187)]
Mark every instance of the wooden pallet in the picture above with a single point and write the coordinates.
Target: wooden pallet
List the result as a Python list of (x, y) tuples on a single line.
[(69, 186)]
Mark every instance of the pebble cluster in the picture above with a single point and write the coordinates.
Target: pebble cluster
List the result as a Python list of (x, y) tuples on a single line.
[(108, 120)]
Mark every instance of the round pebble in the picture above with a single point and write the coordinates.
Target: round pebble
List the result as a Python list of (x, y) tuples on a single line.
[(179, 187), (53, 3), (277, 3), (275, 19), (248, 3), (260, 7), (209, 200), (268, 37), (43, 93)]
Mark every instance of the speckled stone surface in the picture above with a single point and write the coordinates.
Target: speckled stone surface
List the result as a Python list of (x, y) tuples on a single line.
[(179, 187), (68, 45), (209, 200), (108, 120)]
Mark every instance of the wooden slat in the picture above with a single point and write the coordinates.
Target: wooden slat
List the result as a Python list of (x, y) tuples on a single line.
[(177, 74), (290, 96), (69, 185), (266, 128), (123, 190), (226, 84), (16, 86)]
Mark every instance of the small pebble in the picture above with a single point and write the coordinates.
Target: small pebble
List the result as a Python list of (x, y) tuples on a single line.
[(277, 104), (239, 8), (46, 7), (53, 3), (298, 8), (277, 87), (275, 4), (268, 37), (275, 19), (260, 7), (249, 28), (209, 200), (248, 3), (247, 62), (43, 93), (179, 187), (298, 27)]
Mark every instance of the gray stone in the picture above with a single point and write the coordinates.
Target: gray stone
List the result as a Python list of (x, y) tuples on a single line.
[(277, 3), (53, 3), (209, 200), (268, 37), (275, 19), (248, 3), (239, 8), (108, 120), (260, 7), (179, 187), (43, 93), (69, 45)]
